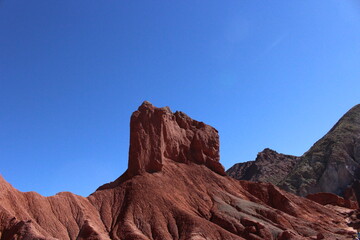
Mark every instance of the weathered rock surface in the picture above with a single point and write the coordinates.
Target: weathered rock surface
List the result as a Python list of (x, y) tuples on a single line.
[(31, 216), (331, 165), (353, 192), (332, 199), (172, 136), (175, 188), (269, 166)]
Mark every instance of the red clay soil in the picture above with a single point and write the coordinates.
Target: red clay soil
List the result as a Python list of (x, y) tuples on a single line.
[(174, 188)]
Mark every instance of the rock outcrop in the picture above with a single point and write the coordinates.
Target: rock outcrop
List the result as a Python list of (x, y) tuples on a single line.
[(175, 188), (157, 135), (324, 198), (331, 165), (269, 166), (63, 216)]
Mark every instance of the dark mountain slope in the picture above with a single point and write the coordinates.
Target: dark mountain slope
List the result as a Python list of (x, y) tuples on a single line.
[(269, 166), (331, 164)]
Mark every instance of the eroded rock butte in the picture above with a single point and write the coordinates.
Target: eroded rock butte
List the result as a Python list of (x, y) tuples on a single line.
[(174, 188)]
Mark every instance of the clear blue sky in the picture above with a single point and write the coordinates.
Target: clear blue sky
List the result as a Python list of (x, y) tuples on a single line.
[(273, 74)]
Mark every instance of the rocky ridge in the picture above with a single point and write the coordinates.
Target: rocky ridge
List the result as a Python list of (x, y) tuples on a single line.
[(330, 165), (269, 166), (174, 188)]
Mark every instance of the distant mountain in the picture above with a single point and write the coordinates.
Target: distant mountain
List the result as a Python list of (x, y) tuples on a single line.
[(269, 166), (174, 188), (331, 165)]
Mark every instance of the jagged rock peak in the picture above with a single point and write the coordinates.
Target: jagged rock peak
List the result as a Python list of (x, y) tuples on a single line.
[(332, 163), (349, 120), (269, 166), (158, 135)]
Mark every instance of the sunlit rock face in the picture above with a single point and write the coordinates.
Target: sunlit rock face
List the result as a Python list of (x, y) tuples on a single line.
[(174, 188), (157, 135)]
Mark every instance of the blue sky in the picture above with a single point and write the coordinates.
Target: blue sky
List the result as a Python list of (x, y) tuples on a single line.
[(273, 74)]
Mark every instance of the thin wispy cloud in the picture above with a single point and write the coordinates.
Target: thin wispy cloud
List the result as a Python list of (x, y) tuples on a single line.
[(275, 43), (271, 46)]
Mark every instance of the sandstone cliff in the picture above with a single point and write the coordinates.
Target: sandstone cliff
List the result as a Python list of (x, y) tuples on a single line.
[(174, 188)]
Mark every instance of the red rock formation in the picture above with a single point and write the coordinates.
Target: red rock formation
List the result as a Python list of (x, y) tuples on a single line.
[(171, 136), (332, 199), (32, 216), (175, 188)]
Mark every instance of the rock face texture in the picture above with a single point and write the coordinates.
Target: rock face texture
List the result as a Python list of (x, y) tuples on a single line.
[(269, 166), (63, 216), (174, 188), (324, 198), (331, 165), (172, 137)]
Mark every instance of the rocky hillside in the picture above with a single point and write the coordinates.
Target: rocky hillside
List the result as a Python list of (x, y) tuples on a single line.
[(269, 166), (331, 165), (174, 188)]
